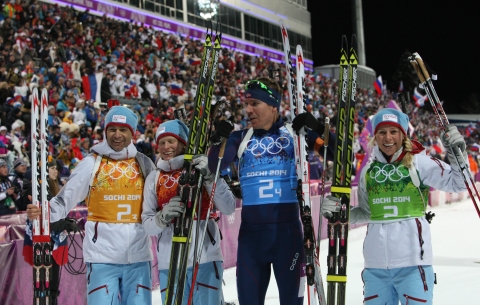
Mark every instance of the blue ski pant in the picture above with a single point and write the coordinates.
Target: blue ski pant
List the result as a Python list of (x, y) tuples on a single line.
[(208, 285), (263, 246), (125, 284), (408, 285)]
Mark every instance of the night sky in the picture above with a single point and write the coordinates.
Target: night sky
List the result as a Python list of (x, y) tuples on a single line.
[(446, 35)]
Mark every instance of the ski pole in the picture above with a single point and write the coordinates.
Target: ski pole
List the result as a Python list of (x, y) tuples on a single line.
[(210, 206), (427, 83)]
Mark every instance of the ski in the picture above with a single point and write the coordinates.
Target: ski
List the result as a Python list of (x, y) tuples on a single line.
[(426, 82), (42, 256), (338, 224), (190, 182), (298, 105)]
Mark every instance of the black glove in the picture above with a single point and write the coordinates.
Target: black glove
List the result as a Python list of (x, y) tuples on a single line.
[(222, 130), (308, 120), (67, 224)]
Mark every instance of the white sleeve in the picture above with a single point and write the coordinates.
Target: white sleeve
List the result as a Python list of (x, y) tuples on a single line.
[(149, 206), (439, 175), (361, 213), (224, 200), (75, 191)]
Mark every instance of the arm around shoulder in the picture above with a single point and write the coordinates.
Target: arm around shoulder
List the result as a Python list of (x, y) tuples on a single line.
[(150, 205)]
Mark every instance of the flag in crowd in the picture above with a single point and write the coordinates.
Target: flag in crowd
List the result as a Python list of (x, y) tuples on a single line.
[(400, 87), (378, 84), (419, 98), (176, 90)]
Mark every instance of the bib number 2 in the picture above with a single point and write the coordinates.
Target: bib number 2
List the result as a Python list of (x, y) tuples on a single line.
[(125, 209), (392, 208), (268, 191)]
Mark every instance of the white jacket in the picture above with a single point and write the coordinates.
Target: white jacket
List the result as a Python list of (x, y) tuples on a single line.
[(224, 201), (395, 244), (117, 243)]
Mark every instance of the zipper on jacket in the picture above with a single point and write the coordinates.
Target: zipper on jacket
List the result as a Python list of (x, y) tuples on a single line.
[(370, 298), (98, 288), (407, 297), (424, 280), (143, 287), (420, 238), (95, 234)]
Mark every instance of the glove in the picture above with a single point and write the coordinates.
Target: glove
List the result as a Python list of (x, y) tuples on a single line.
[(329, 206), (173, 209), (67, 224), (453, 139), (222, 131), (308, 120), (201, 164)]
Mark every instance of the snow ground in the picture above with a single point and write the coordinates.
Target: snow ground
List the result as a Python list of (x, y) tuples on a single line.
[(456, 248)]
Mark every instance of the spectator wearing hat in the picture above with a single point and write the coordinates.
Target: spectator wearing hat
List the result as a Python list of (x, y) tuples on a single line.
[(51, 115), (17, 174), (7, 191), (4, 136), (68, 118), (114, 261), (84, 146), (79, 112)]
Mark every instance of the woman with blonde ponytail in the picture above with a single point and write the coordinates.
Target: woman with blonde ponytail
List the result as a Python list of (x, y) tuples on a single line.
[(392, 198)]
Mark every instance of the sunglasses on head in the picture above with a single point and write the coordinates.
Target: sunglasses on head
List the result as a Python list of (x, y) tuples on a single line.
[(255, 83)]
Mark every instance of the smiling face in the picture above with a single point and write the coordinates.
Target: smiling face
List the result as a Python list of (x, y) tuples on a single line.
[(118, 137), (260, 114), (169, 147), (389, 139)]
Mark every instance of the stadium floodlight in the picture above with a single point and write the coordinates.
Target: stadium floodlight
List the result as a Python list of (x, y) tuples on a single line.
[(208, 8)]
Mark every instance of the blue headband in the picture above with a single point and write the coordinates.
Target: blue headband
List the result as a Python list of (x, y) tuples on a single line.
[(256, 92)]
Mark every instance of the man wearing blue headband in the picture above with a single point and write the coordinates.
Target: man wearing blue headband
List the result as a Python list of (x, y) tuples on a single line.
[(271, 233)]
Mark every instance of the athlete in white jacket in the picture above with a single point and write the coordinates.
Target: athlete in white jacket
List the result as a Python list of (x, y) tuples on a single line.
[(393, 197), (161, 204), (111, 180)]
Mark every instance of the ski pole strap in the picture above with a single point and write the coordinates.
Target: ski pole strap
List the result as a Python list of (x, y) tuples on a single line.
[(244, 143)]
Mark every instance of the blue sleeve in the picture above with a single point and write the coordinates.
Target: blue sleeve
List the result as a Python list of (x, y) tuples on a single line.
[(230, 154)]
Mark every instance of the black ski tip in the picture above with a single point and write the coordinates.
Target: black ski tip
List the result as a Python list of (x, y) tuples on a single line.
[(344, 42), (209, 27), (353, 43), (218, 30)]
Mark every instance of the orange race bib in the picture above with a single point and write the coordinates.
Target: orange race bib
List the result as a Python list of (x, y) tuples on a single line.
[(116, 192)]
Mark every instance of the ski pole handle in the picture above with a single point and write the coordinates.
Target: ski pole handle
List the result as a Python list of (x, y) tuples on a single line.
[(326, 133), (420, 62), (419, 67)]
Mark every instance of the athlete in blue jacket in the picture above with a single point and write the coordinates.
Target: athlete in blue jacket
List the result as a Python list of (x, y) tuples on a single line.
[(271, 230)]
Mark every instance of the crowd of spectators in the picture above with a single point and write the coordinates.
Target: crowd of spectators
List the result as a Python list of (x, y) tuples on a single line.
[(59, 48)]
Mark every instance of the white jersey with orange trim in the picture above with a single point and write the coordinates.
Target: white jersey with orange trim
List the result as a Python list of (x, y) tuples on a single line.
[(105, 242), (224, 202)]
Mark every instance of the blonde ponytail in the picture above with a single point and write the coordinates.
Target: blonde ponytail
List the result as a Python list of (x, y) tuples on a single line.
[(408, 158)]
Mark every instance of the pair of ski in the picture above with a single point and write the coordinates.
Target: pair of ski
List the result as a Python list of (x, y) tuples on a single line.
[(190, 181), (427, 84), (341, 186), (42, 250)]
